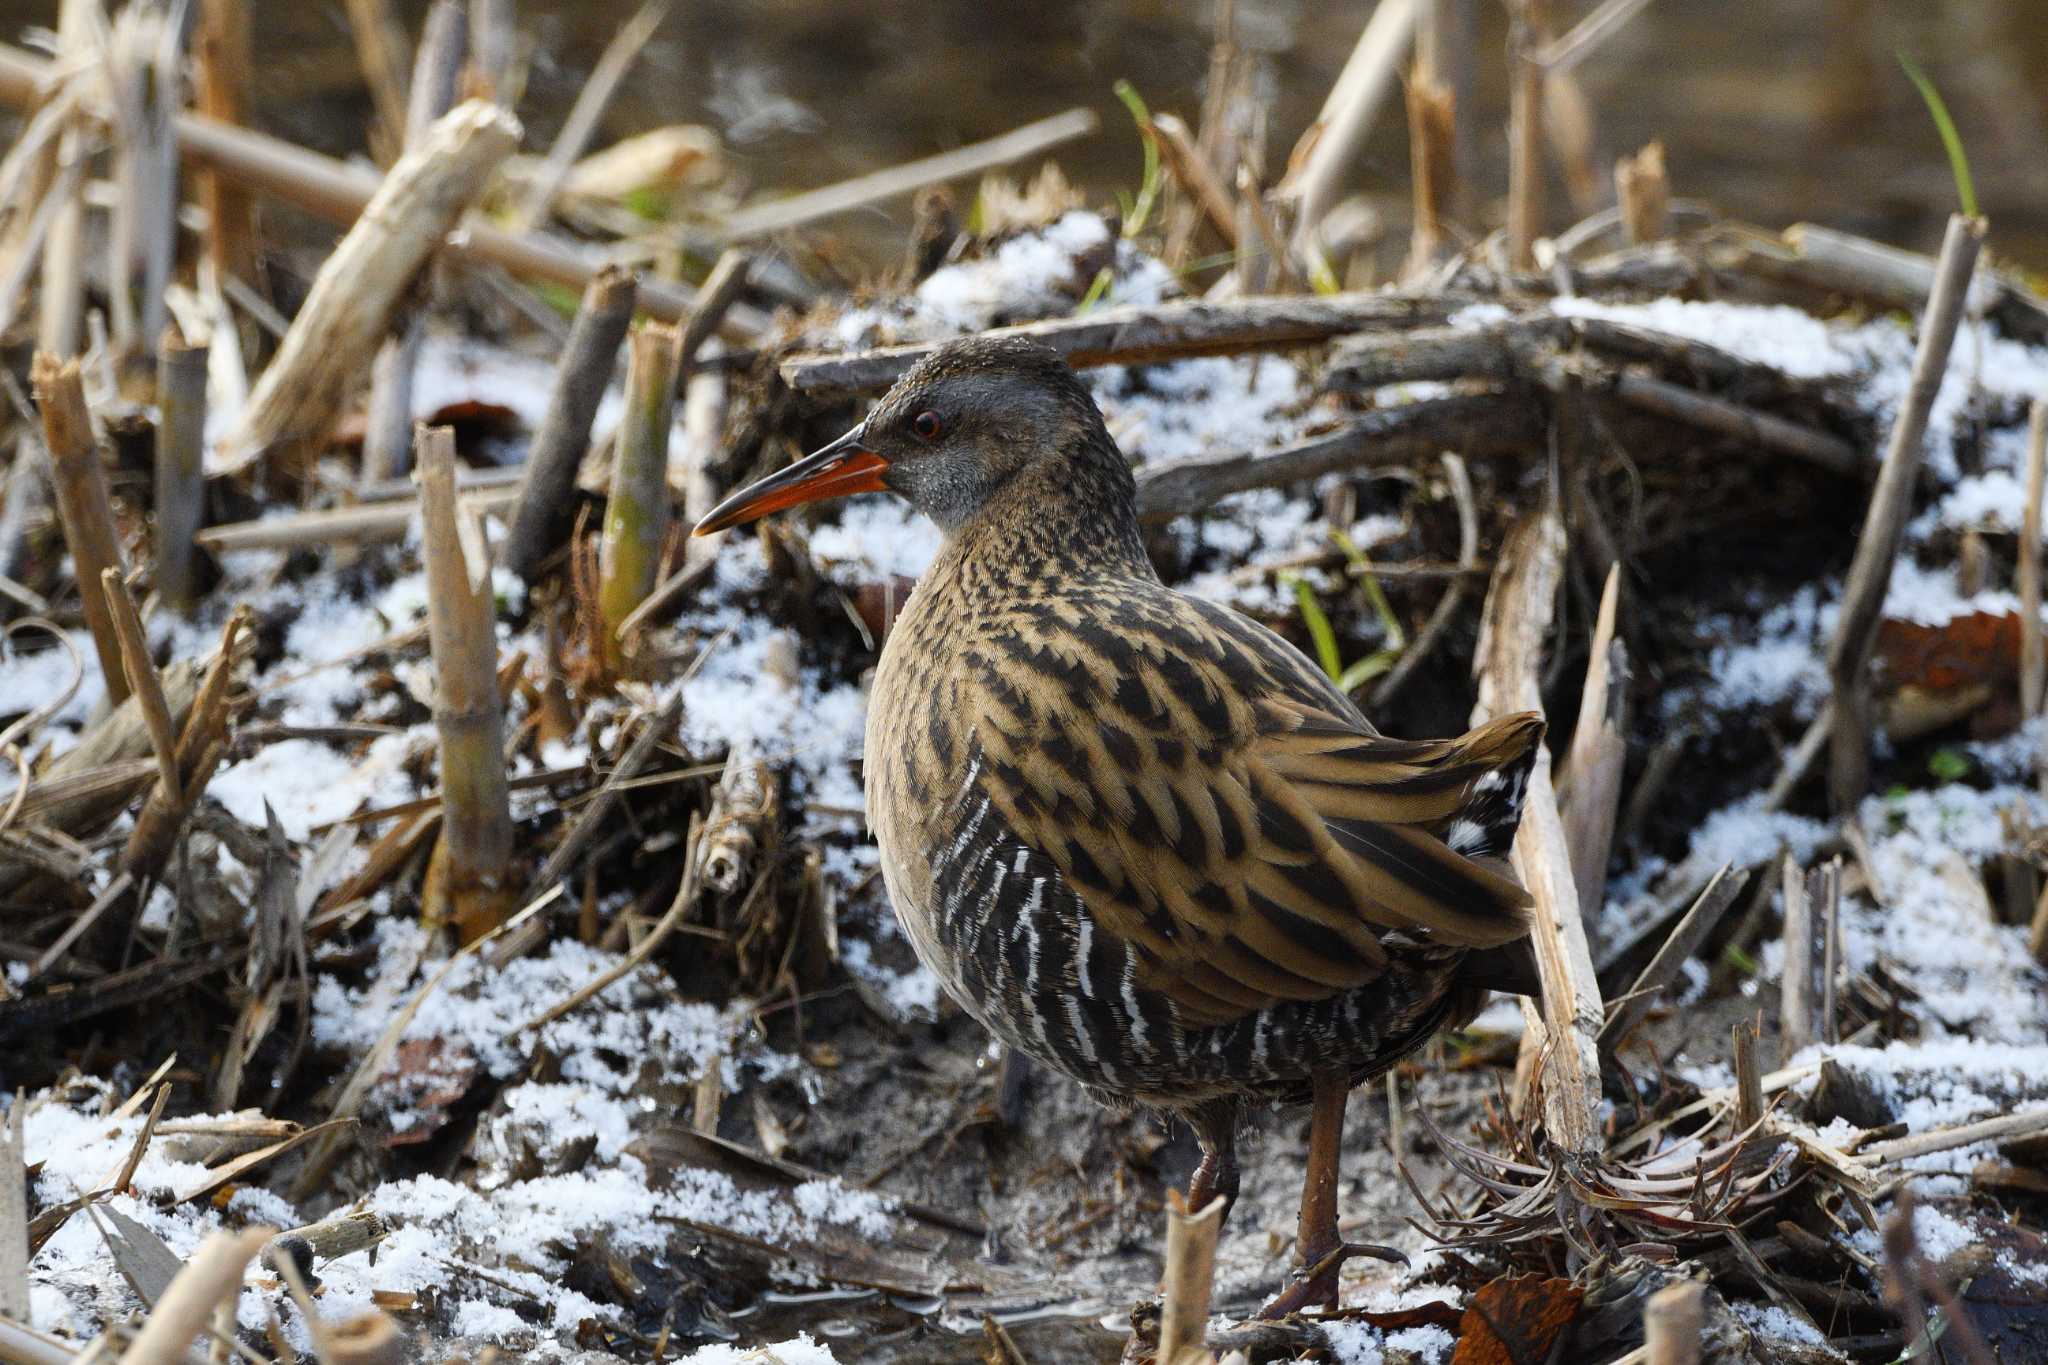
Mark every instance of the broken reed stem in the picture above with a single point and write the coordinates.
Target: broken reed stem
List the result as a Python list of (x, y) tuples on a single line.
[(143, 682), (1509, 663), (387, 433), (1190, 1279), (722, 287), (2033, 665), (82, 505), (1347, 116), (1591, 793), (1673, 1319), (1795, 1004), (1433, 166), (213, 1272), (221, 59), (1644, 192), (180, 456), (359, 287), (144, 71), (1525, 135), (475, 844), (1749, 1086), (591, 102), (493, 45), (546, 510), (1192, 170), (636, 514), (1884, 524)]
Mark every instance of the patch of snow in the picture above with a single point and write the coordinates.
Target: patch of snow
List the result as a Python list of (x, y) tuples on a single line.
[(798, 1350)]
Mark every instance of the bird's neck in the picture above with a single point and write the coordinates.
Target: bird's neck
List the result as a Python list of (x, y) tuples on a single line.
[(1056, 518)]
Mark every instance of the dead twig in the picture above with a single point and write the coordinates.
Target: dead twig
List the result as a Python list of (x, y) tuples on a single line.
[(82, 504), (617, 59)]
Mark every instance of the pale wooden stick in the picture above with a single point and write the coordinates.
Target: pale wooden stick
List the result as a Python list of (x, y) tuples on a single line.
[(180, 455), (1887, 274), (1185, 160), (1019, 144), (493, 47), (2002, 1128), (2033, 666), (636, 515), (387, 434), (353, 296), (1432, 164), (142, 679), (1673, 1319), (14, 1298), (1190, 1279), (1518, 613), (1348, 114), (81, 487), (222, 60), (364, 523), (1885, 523), (546, 507), (591, 102), (144, 71), (213, 1273)]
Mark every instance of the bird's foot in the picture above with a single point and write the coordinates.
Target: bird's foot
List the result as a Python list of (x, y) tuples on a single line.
[(1314, 1285)]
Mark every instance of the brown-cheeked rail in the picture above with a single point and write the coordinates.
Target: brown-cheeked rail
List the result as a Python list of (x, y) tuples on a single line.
[(1139, 836)]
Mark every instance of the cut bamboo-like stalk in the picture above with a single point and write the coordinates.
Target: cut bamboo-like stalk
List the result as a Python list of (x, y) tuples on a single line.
[(1196, 175), (1525, 135), (1884, 524), (82, 506), (546, 509), (1593, 767), (636, 516), (1795, 1006), (1644, 191), (475, 845), (359, 287), (1673, 1319), (1517, 616), (387, 434), (222, 57), (2033, 664), (1190, 1278), (1749, 1088), (180, 480)]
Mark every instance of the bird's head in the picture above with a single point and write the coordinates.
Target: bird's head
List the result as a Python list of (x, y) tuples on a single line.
[(958, 427)]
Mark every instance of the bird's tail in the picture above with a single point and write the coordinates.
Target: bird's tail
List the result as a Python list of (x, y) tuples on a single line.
[(1503, 750)]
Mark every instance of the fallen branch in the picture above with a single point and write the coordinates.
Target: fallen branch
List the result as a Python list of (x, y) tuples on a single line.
[(1142, 333), (364, 523), (1503, 423), (353, 297)]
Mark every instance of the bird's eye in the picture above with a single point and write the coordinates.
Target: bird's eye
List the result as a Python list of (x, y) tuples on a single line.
[(926, 426)]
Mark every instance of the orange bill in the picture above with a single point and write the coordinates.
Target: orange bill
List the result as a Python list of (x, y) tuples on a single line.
[(845, 466)]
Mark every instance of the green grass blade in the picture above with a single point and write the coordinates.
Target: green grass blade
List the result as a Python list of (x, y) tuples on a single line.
[(1148, 189), (1937, 109), (1318, 623)]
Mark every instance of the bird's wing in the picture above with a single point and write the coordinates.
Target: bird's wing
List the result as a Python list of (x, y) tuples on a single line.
[(1225, 811)]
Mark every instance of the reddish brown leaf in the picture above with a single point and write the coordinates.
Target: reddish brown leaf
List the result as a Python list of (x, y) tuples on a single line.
[(1515, 1320)]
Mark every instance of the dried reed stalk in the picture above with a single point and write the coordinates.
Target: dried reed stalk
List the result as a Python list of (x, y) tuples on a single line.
[(1348, 113), (222, 61), (1795, 1003), (546, 508), (1591, 788), (1433, 166), (493, 48), (1525, 134), (382, 50), (1644, 192), (2033, 665), (1189, 1280), (213, 1273), (636, 515), (1884, 524), (82, 505), (180, 457), (60, 331), (1194, 173), (467, 874), (143, 682), (145, 74), (591, 102), (1508, 663), (360, 285)]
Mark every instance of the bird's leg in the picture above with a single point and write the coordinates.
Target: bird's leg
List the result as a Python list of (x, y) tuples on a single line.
[(1215, 1128), (1319, 1251)]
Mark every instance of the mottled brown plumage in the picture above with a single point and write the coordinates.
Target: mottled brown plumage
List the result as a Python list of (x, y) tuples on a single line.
[(1137, 835)]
